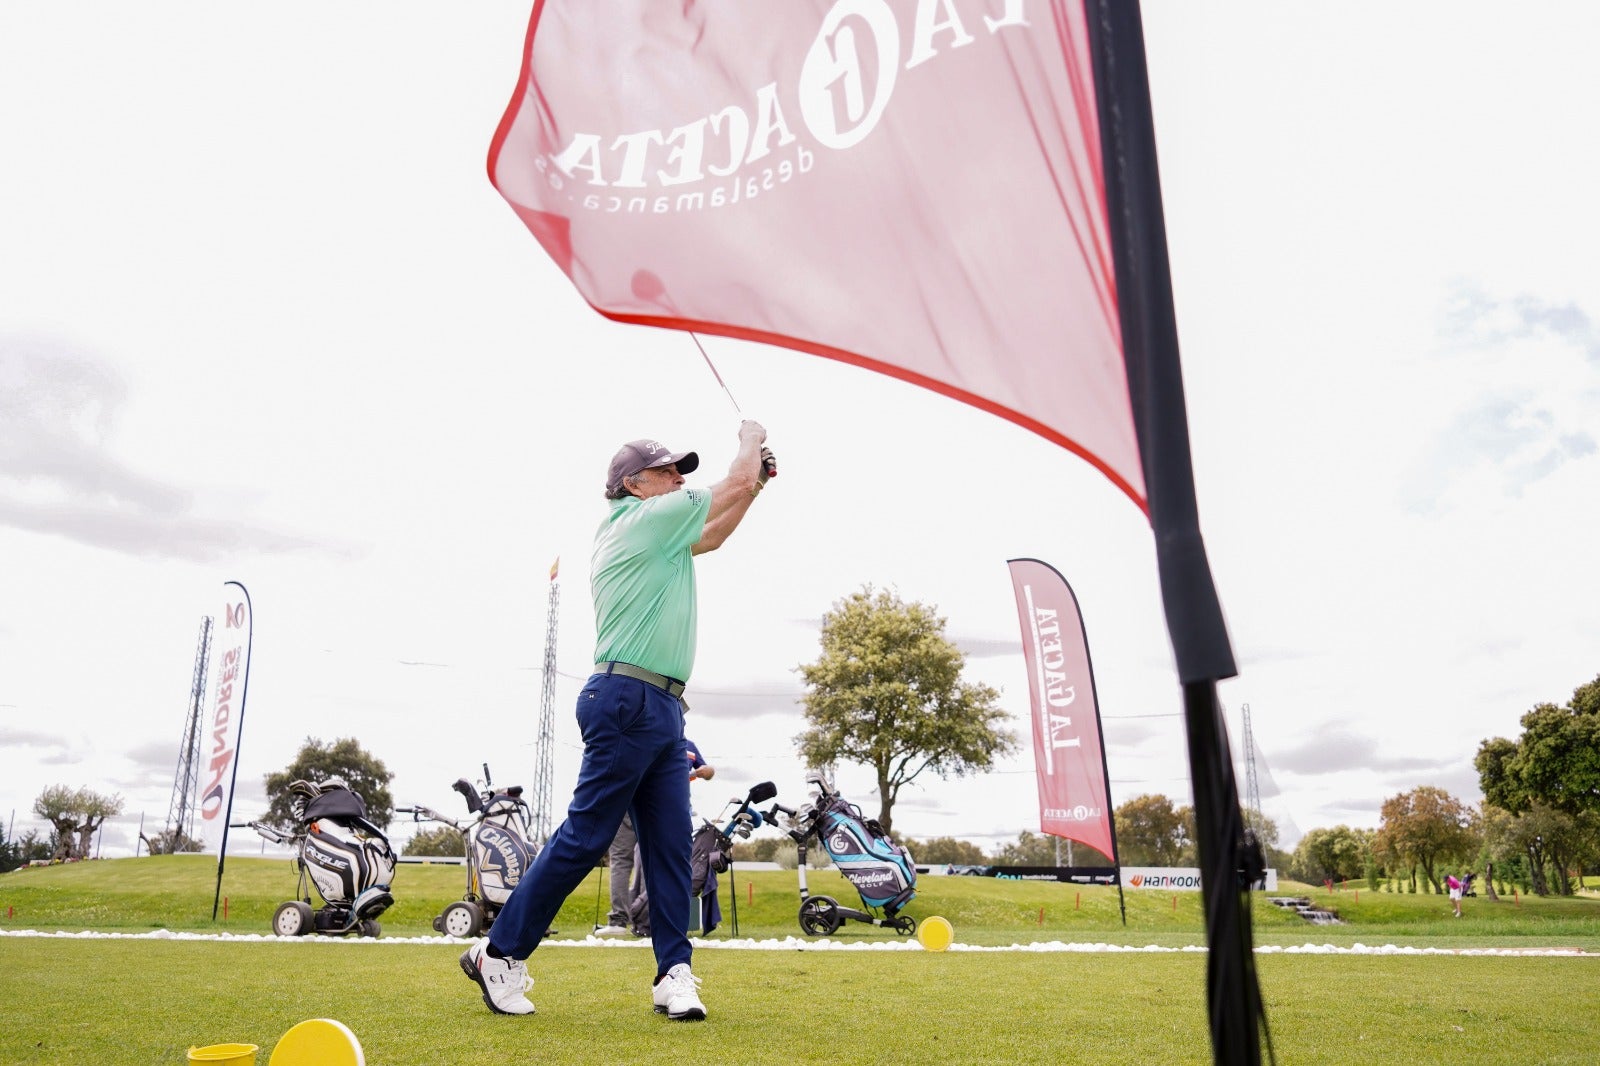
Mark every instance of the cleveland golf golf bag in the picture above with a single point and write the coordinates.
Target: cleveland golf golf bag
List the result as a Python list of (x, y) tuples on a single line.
[(882, 871), (499, 847), (339, 851)]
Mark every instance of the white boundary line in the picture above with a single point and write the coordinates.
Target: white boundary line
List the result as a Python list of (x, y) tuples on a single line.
[(824, 944)]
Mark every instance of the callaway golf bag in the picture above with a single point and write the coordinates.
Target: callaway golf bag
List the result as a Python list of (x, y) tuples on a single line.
[(882, 871), (339, 851), (499, 847)]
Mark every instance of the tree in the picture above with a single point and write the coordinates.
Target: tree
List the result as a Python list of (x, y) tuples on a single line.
[(74, 814), (10, 853), (173, 842), (1337, 854), (1548, 784), (1152, 832), (364, 773), (887, 692), (1556, 761), (440, 840), (938, 850), (1425, 826), (1030, 849), (23, 850)]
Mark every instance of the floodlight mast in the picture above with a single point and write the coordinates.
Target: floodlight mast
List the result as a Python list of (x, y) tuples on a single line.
[(544, 771), (181, 811)]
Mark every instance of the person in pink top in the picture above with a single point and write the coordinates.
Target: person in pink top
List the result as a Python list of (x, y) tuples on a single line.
[(1455, 886)]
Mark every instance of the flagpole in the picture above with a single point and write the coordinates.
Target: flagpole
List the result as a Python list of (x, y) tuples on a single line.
[(1194, 614), (238, 744)]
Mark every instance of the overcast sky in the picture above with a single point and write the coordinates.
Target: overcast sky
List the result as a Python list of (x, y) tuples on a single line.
[(263, 318)]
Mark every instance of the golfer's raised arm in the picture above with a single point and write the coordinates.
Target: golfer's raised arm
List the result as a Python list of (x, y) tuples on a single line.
[(732, 496)]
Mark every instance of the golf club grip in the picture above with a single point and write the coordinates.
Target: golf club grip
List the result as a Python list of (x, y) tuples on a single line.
[(770, 464)]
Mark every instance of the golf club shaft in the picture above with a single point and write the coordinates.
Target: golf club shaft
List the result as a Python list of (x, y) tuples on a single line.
[(768, 462)]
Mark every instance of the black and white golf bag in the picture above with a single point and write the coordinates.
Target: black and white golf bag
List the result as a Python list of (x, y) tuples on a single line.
[(501, 845), (346, 856)]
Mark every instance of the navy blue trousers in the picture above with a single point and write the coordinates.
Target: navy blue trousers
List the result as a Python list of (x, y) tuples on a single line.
[(634, 762)]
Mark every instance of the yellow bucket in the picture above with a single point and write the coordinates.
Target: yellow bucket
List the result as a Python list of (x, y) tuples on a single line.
[(230, 1054)]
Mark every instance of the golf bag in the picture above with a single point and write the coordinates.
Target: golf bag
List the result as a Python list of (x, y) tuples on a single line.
[(501, 845), (344, 855), (499, 848), (881, 871), (710, 855)]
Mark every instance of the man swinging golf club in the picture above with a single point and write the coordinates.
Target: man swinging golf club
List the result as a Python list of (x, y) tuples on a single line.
[(631, 716)]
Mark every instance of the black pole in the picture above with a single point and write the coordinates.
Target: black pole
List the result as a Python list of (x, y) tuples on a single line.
[(1199, 636)]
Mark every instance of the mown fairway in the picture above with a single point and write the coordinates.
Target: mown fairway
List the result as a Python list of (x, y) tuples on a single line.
[(148, 1001)]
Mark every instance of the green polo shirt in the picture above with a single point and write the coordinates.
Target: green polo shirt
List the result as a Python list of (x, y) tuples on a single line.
[(642, 578)]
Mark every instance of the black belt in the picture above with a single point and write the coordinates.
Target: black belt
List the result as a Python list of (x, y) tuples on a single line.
[(670, 686)]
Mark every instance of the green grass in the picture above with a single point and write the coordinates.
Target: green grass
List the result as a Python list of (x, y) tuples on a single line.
[(143, 1001), (176, 892)]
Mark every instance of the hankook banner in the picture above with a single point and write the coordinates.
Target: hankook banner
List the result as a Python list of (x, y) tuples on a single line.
[(1068, 753)]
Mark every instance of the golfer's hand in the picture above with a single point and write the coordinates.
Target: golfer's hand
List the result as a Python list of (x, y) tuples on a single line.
[(751, 430), (769, 466)]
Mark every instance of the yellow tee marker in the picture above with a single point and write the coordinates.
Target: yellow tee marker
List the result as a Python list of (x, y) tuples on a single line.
[(318, 1042), (935, 933)]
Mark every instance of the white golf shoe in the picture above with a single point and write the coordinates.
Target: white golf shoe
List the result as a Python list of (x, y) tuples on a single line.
[(677, 995), (505, 982)]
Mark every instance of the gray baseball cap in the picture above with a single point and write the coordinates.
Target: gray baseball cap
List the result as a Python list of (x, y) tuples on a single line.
[(637, 455)]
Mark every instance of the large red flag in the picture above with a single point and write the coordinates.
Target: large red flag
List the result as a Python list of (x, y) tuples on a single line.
[(1068, 749), (910, 187)]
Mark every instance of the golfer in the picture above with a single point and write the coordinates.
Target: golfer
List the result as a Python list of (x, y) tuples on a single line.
[(631, 717)]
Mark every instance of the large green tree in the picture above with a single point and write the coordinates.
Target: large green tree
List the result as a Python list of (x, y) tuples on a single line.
[(75, 814), (1152, 831), (440, 841), (1556, 761), (1548, 839), (886, 692), (1427, 826), (316, 762), (1548, 783), (1337, 854)]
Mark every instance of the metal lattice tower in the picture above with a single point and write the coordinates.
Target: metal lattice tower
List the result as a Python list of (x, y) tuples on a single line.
[(180, 814), (1252, 786), (542, 815)]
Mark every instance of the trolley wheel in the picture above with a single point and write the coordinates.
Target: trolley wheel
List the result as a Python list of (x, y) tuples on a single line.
[(904, 925), (819, 916), (370, 927), (292, 918), (462, 918)]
